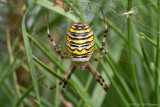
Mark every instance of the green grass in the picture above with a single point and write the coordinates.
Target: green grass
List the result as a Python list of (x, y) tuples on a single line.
[(29, 55), (130, 69), (157, 57), (132, 66)]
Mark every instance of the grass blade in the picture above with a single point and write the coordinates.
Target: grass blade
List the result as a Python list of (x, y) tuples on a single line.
[(26, 93), (146, 58), (5, 75), (154, 43), (157, 57), (131, 54), (115, 86), (49, 5), (29, 55)]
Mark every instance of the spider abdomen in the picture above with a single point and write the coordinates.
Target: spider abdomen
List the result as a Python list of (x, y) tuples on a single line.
[(80, 42)]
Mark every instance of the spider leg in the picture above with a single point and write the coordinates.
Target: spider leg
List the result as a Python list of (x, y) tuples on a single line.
[(55, 86), (65, 57), (60, 44), (97, 59), (58, 50), (97, 76), (69, 76), (70, 70), (105, 35)]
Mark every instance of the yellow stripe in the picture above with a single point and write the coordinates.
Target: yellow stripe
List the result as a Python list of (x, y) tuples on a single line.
[(79, 31), (72, 30), (75, 24), (77, 52), (79, 24), (88, 30), (80, 41)]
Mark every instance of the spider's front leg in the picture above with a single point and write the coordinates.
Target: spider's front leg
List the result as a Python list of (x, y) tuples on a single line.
[(103, 43), (105, 35), (97, 59), (64, 80), (57, 48)]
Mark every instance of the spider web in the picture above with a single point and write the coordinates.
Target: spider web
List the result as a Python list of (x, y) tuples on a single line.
[(91, 9), (118, 15), (115, 11)]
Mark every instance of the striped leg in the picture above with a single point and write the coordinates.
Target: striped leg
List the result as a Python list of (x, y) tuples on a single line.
[(69, 76), (97, 59), (63, 56), (60, 44), (97, 76), (70, 70), (58, 50), (55, 86), (105, 35)]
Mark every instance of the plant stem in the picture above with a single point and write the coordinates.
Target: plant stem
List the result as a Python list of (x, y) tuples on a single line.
[(130, 53), (26, 93), (157, 58), (29, 55), (77, 12), (7, 73), (11, 61)]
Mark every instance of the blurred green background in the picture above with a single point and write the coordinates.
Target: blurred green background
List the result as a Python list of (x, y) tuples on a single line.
[(130, 68)]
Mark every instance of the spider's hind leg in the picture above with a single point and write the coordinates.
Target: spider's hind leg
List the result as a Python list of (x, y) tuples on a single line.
[(63, 81), (55, 86), (97, 76), (69, 76)]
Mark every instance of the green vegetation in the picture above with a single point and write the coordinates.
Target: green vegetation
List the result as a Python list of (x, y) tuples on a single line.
[(131, 68)]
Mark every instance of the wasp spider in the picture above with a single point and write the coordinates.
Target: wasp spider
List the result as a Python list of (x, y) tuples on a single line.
[(80, 45)]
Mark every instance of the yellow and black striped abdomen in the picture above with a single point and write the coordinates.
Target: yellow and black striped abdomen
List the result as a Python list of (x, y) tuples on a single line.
[(80, 42)]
